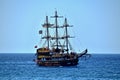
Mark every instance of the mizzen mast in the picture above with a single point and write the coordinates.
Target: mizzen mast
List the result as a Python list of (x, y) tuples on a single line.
[(66, 25)]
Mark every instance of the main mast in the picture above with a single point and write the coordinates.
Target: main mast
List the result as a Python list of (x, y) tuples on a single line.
[(56, 26)]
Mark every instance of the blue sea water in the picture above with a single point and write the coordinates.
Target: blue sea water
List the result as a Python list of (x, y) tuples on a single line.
[(22, 67)]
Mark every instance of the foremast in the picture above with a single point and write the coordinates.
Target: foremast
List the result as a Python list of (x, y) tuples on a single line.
[(47, 25)]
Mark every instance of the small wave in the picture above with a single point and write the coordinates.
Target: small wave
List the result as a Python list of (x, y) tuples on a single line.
[(17, 63), (52, 78)]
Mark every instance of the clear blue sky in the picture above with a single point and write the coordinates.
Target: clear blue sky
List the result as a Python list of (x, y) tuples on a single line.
[(96, 24)]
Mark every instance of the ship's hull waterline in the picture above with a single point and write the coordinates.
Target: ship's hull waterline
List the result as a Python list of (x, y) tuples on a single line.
[(58, 63)]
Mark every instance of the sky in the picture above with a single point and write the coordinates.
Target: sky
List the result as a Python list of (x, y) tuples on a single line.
[(96, 24)]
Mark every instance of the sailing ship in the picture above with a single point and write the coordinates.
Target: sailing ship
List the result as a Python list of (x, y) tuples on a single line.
[(57, 50)]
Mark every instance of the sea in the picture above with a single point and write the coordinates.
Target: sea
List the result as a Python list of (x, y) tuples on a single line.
[(22, 67)]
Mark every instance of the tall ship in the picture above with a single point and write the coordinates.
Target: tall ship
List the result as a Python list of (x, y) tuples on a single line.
[(56, 49)]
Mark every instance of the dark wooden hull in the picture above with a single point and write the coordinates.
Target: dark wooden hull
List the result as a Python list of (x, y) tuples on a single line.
[(46, 59), (69, 62)]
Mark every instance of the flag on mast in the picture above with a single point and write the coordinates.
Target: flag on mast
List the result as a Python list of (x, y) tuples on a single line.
[(40, 31), (35, 46)]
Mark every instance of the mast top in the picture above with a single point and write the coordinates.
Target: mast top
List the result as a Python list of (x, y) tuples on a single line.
[(66, 23), (56, 15), (47, 24)]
